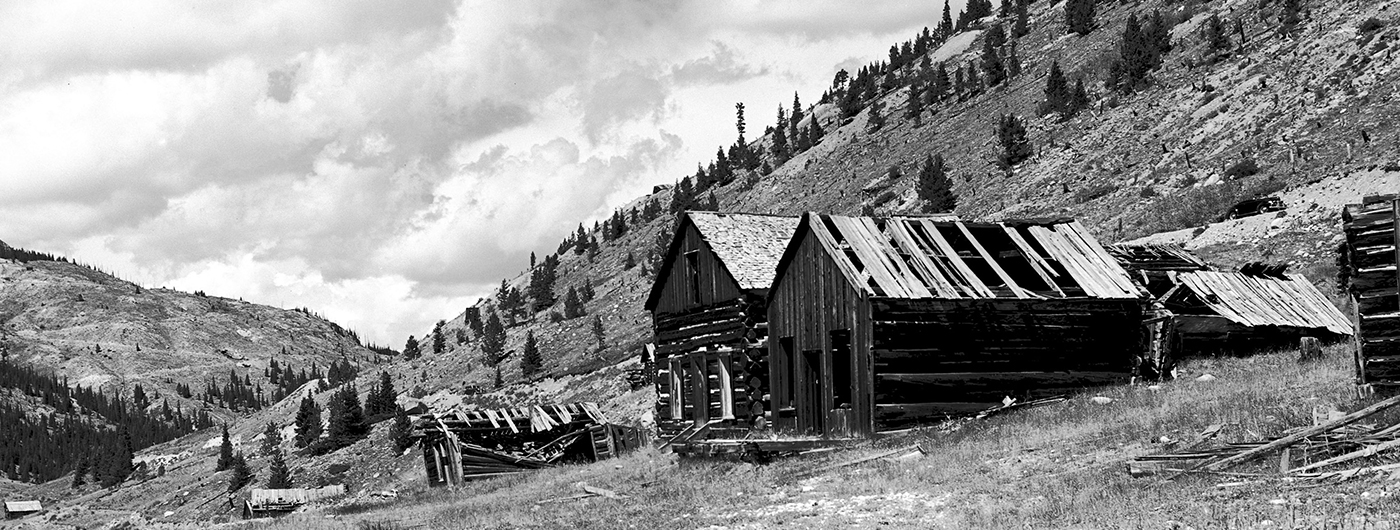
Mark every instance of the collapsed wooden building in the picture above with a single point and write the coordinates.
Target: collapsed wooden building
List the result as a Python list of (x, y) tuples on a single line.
[(262, 502), (463, 445), (1255, 308), (1372, 254), (709, 315), (876, 323)]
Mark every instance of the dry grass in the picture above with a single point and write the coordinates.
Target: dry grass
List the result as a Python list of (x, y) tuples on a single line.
[(1059, 466)]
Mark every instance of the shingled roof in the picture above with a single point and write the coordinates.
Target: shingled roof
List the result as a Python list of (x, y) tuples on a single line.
[(749, 246), (913, 257)]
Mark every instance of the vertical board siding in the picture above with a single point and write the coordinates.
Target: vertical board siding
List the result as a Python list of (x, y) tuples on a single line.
[(812, 299), (716, 283)]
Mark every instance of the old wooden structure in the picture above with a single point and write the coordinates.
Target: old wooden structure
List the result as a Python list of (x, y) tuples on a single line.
[(1255, 308), (462, 445), (17, 509), (709, 315), (1372, 254), (263, 502), (876, 323)]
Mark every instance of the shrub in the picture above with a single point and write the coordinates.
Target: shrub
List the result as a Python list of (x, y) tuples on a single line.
[(1370, 24), (1243, 168)]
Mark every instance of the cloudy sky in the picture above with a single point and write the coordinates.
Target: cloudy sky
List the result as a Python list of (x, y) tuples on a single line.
[(383, 163)]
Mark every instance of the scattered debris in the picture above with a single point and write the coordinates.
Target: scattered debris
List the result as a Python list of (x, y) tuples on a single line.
[(1101, 400), (1205, 378), (271, 502)]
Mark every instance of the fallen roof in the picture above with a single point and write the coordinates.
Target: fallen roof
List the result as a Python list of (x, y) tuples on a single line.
[(1252, 300), (913, 257), (749, 246), (1156, 257)]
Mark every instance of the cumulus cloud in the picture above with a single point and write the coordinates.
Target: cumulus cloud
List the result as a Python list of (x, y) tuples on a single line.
[(382, 163)]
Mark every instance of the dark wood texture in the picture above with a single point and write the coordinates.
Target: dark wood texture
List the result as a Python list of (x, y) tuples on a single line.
[(1373, 252)]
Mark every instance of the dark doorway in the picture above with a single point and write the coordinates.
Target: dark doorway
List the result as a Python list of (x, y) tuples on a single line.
[(811, 411)]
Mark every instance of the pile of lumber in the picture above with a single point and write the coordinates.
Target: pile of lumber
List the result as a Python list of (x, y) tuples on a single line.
[(1372, 256), (1320, 448)]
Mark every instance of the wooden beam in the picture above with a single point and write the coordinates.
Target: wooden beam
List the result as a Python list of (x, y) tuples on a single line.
[(992, 262), (969, 278), (1037, 262), (1226, 463)]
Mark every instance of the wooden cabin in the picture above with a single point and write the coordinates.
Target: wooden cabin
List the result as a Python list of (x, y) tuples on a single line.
[(709, 315), (17, 509), (877, 323), (1372, 253), (1256, 308)]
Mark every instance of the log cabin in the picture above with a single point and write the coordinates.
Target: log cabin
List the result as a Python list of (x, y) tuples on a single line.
[(1372, 254), (878, 323), (709, 316), (1255, 308)]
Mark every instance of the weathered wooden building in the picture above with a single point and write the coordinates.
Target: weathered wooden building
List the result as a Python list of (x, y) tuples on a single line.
[(709, 315), (875, 323), (1255, 308), (1372, 253), (17, 509)]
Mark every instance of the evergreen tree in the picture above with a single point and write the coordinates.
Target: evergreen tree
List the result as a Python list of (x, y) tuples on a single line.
[(876, 119), (1289, 16), (993, 70), (1015, 144), (1022, 25), (974, 81), (308, 422), (1057, 93), (1013, 62), (473, 317), (934, 186), (1079, 16), (780, 143), (402, 432), (945, 24), (347, 416), (225, 452), (410, 348), (1006, 9), (940, 85), (573, 307), (493, 340), (530, 361), (242, 474), (80, 472), (1080, 100), (816, 130), (598, 331), (1213, 34), (996, 35), (797, 115), (914, 105), (439, 341), (278, 476), (272, 439)]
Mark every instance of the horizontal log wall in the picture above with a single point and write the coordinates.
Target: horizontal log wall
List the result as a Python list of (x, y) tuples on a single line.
[(1373, 252), (947, 357), (732, 333)]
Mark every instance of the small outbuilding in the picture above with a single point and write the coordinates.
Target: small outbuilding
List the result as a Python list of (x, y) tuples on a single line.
[(877, 323), (17, 509), (709, 318)]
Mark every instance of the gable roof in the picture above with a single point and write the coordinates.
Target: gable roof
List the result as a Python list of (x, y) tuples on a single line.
[(23, 506), (748, 245), (1260, 300), (1156, 257), (916, 257)]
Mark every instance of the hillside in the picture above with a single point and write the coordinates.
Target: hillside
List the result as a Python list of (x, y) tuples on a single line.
[(97, 330)]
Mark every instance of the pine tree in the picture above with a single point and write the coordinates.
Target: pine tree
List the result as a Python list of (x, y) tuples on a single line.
[(1013, 62), (402, 432), (945, 24), (780, 140), (992, 68), (80, 472), (272, 439), (816, 131), (1213, 34), (439, 341), (1015, 144), (1289, 16), (1022, 26), (914, 105), (598, 331), (410, 348), (278, 476), (996, 35), (935, 188), (974, 81), (1057, 93), (308, 422), (242, 474), (1006, 8), (225, 452), (493, 340), (1079, 16), (347, 417), (938, 88), (530, 361), (573, 307), (876, 119), (1080, 100)]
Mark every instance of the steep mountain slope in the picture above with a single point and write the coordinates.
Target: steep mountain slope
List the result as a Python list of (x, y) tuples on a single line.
[(98, 330)]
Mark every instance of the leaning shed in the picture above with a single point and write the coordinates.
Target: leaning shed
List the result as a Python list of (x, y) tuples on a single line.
[(1372, 253), (883, 322), (709, 315)]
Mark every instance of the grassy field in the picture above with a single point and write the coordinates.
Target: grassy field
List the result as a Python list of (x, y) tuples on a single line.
[(1058, 466)]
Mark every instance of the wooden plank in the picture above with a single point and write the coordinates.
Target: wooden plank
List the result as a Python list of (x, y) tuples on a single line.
[(890, 255), (1231, 461), (1106, 265), (922, 262), (874, 261), (1078, 269), (1038, 263), (969, 278), (824, 237), (991, 262)]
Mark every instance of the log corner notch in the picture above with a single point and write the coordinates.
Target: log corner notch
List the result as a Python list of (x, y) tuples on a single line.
[(1369, 260), (710, 323)]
